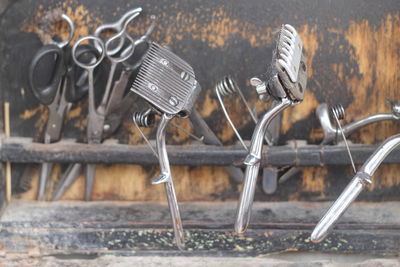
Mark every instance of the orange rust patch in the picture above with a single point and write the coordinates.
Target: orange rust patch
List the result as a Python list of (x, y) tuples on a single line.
[(300, 111), (310, 41), (84, 23), (43, 116), (75, 112), (313, 179), (376, 52), (216, 33)]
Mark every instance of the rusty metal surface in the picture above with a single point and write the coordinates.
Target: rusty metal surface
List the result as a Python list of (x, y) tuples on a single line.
[(352, 52)]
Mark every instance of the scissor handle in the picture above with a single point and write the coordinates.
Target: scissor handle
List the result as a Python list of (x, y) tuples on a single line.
[(46, 94), (91, 65), (71, 31), (122, 35), (116, 27), (77, 90)]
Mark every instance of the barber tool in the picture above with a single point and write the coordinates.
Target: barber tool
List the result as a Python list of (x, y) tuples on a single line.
[(116, 27), (167, 83), (118, 101), (361, 179), (227, 86), (53, 80), (333, 134), (286, 84)]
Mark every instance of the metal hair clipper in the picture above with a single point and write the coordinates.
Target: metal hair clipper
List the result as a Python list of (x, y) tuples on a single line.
[(168, 83), (333, 135), (286, 84), (227, 86), (361, 179)]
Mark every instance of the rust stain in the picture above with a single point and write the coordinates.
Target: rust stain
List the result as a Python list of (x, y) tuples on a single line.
[(309, 37), (218, 31), (209, 104), (84, 22), (75, 112), (300, 111), (376, 52), (42, 113), (29, 113), (313, 179), (177, 135)]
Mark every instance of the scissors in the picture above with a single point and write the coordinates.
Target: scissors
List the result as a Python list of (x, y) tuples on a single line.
[(52, 79), (105, 119), (117, 27)]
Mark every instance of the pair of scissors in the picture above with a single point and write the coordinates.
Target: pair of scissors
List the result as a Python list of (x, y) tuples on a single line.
[(105, 118), (52, 79)]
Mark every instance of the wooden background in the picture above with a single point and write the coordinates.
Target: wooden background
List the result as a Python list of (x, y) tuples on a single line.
[(352, 53)]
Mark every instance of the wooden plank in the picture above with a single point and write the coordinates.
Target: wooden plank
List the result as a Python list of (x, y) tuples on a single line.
[(352, 53), (143, 229), (23, 150)]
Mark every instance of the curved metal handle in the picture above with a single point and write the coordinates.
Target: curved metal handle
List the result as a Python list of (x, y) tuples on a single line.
[(76, 79), (71, 31), (92, 64), (353, 189), (253, 161), (116, 26), (165, 177), (47, 93), (331, 133)]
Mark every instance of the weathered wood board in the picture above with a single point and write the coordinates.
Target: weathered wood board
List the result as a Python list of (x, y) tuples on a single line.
[(352, 52), (73, 228)]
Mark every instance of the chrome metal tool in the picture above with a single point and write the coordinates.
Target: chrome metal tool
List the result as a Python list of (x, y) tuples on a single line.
[(332, 134), (169, 85), (286, 84), (228, 86), (358, 183)]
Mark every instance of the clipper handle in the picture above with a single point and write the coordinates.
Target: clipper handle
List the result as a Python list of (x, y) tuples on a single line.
[(169, 185), (246, 198), (326, 224), (253, 164)]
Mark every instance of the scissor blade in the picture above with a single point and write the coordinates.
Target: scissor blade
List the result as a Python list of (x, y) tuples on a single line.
[(57, 111), (45, 172), (118, 91), (69, 177), (90, 173)]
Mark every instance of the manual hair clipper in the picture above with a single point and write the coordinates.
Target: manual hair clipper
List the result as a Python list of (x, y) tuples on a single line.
[(361, 179), (168, 83), (333, 135), (286, 84)]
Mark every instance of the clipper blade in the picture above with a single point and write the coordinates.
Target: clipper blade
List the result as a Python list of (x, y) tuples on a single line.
[(167, 82), (290, 49), (288, 71)]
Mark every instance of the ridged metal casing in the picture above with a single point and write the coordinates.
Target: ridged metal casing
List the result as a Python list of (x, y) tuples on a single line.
[(167, 82)]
